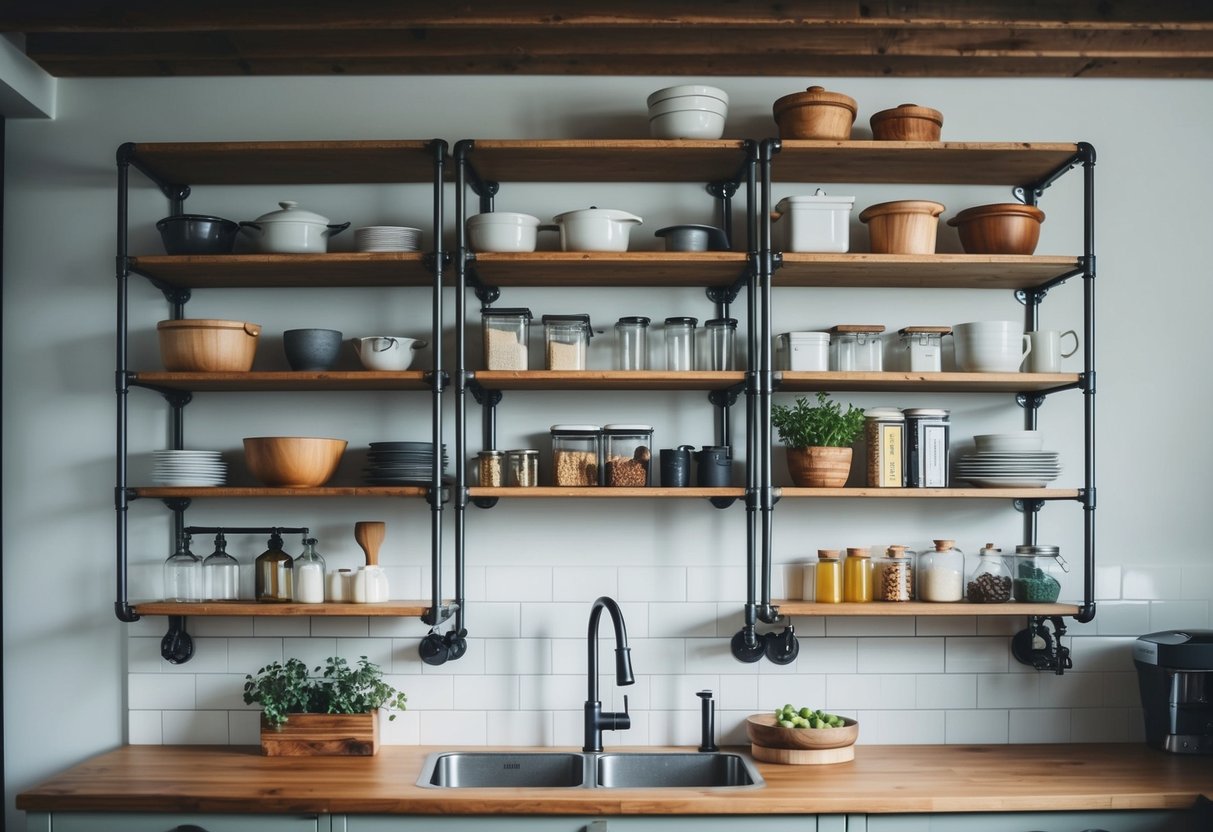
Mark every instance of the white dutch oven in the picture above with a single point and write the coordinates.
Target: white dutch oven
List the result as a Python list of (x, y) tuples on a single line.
[(595, 229), (293, 230), (504, 231), (386, 352)]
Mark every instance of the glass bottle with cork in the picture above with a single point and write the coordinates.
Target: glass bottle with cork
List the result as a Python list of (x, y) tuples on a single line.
[(940, 573), (273, 574), (857, 575), (829, 577), (893, 575)]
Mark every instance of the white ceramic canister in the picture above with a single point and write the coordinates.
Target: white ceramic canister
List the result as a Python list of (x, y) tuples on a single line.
[(814, 223), (339, 586), (921, 348), (370, 585), (803, 351)]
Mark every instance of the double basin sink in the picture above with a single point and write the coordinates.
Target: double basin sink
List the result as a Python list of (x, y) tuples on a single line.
[(596, 770)]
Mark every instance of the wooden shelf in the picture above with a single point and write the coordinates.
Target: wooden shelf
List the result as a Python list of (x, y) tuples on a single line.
[(211, 608), (883, 608), (605, 493), (934, 163), (932, 493), (607, 380), (918, 271), (283, 381), (788, 381), (256, 271), (608, 160), (628, 269), (226, 491), (288, 163)]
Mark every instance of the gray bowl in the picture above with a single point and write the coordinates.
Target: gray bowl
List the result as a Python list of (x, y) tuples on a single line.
[(693, 238), (312, 349)]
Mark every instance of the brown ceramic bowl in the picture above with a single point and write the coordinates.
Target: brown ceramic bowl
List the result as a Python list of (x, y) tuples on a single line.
[(765, 730), (293, 461), (1003, 228), (907, 123)]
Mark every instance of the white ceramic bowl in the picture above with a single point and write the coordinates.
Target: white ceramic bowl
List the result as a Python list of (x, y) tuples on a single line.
[(595, 229), (387, 353), (687, 89), (688, 102), (503, 231), (687, 124), (1023, 440)]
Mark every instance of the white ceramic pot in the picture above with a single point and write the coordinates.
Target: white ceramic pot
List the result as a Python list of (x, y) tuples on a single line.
[(293, 230), (819, 222), (387, 353), (595, 229), (504, 231)]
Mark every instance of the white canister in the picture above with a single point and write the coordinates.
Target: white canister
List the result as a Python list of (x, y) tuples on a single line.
[(802, 351), (340, 586), (370, 585), (814, 223), (921, 348)]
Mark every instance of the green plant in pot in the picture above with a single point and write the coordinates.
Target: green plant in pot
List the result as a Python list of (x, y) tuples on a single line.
[(819, 440)]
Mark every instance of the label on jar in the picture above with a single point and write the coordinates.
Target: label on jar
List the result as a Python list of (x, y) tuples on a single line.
[(927, 456), (885, 448)]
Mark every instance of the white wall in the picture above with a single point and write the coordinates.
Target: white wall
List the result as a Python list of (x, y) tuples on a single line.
[(71, 670)]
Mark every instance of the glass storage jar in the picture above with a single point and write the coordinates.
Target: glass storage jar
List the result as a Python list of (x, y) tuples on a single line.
[(629, 455), (857, 575), (885, 434), (927, 447), (857, 348), (576, 455), (829, 577), (183, 573), (522, 468), (722, 343), (220, 574), (1037, 576), (990, 581), (893, 575), (920, 348), (566, 339), (632, 343), (939, 573), (490, 469), (506, 336), (272, 573), (802, 351), (308, 575), (680, 343)]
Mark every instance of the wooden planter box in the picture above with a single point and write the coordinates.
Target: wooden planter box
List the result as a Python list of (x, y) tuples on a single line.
[(308, 735)]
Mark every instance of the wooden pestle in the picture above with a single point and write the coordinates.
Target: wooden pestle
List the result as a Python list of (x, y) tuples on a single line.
[(370, 534)]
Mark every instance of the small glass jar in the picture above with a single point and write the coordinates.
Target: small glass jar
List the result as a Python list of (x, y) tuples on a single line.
[(308, 578), (990, 580), (506, 336), (722, 343), (680, 343), (183, 574), (921, 348), (857, 575), (1037, 574), (522, 468), (490, 469), (339, 586), (829, 577), (939, 573), (856, 348), (576, 455), (893, 575), (629, 455), (273, 574), (566, 339), (885, 432), (632, 343), (220, 574)]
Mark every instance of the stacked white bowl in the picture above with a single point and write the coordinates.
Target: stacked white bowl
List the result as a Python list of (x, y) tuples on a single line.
[(688, 111), (990, 346)]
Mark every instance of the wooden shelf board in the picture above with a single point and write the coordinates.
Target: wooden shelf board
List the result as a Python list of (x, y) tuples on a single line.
[(332, 270), (604, 493), (231, 608), (933, 493), (788, 381), (884, 608), (288, 163), (629, 269), (935, 163), (909, 271), (608, 160), (607, 380), (283, 381), (226, 491)]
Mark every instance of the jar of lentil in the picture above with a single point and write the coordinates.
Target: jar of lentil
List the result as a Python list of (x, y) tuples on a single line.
[(857, 575), (990, 580), (1038, 570), (576, 455), (522, 468), (939, 573), (893, 575), (629, 455), (829, 577)]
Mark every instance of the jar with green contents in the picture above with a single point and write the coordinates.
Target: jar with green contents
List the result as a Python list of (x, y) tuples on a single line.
[(1037, 574)]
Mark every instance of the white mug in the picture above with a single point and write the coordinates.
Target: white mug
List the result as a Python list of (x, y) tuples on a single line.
[(1046, 352), (990, 346)]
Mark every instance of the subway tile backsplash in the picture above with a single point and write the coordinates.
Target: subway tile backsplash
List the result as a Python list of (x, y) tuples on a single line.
[(522, 681)]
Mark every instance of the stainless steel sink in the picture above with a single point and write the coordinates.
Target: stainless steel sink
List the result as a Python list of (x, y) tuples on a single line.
[(570, 770)]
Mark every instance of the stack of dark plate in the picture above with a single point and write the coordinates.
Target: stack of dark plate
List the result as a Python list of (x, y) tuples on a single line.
[(402, 463)]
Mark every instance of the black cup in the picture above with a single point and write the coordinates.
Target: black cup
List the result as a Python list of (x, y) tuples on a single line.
[(311, 349), (714, 466), (676, 466)]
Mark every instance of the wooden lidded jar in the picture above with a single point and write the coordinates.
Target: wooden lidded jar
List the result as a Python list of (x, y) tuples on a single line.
[(815, 113), (907, 123), (906, 226)]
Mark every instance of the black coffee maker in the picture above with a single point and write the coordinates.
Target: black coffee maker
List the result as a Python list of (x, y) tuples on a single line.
[(1175, 675)]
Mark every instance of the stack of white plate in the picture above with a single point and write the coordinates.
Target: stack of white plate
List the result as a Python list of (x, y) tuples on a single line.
[(188, 468), (402, 463), (1009, 469), (387, 238)]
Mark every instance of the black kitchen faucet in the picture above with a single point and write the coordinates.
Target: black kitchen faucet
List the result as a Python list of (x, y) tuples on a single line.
[(597, 721)]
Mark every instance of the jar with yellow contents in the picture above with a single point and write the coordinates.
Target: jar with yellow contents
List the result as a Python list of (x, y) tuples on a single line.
[(857, 575)]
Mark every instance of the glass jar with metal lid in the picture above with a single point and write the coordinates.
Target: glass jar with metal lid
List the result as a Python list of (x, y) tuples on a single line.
[(566, 339), (856, 348), (576, 455), (491, 469), (632, 343), (506, 335), (1037, 574), (522, 468), (628, 455), (990, 580), (893, 578)]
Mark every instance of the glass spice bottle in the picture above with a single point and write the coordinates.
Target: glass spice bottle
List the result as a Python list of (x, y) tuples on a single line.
[(272, 573), (829, 577), (857, 576), (893, 578)]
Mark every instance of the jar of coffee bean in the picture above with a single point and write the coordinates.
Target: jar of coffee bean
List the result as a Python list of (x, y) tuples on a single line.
[(990, 581)]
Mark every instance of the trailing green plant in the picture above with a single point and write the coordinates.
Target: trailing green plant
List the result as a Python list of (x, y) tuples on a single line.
[(825, 425), (336, 688)]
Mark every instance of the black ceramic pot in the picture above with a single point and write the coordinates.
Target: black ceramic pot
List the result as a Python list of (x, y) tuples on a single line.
[(197, 234)]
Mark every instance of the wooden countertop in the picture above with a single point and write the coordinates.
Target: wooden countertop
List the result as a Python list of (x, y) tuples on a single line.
[(881, 779)]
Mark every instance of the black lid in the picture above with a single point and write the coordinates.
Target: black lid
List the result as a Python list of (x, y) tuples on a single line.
[(584, 320), (729, 322), (512, 310), (689, 321), (636, 319), (1186, 649)]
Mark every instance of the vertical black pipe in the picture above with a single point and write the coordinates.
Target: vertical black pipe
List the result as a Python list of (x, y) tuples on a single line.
[(751, 397), (121, 387), (460, 371), (439, 150), (769, 148), (1088, 177)]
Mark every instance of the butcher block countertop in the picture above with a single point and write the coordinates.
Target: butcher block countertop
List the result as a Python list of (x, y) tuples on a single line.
[(881, 779)]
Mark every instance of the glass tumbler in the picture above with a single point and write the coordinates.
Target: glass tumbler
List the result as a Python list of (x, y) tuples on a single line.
[(722, 341), (632, 343), (680, 343)]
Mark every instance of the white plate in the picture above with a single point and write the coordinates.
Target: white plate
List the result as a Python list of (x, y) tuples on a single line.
[(1007, 482)]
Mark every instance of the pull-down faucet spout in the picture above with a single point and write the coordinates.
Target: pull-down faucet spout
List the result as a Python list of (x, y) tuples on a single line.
[(596, 720)]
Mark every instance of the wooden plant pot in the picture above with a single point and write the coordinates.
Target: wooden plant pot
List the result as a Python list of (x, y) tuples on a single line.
[(819, 467), (317, 735)]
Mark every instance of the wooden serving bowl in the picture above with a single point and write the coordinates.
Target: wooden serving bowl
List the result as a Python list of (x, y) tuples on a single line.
[(1002, 228), (196, 345), (765, 730), (293, 461)]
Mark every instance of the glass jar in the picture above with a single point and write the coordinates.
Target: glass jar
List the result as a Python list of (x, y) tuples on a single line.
[(576, 455), (566, 339), (220, 574), (629, 455), (680, 343), (1037, 576), (340, 586), (632, 343), (893, 575), (722, 343), (857, 575), (990, 580), (183, 573), (856, 348), (885, 432), (490, 469), (829, 577), (308, 579), (506, 335), (273, 573), (920, 348), (940, 573), (522, 468)]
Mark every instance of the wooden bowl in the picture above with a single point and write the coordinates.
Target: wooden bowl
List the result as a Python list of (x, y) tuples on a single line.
[(293, 461), (1003, 228), (197, 345), (906, 226), (815, 113), (765, 730), (907, 123)]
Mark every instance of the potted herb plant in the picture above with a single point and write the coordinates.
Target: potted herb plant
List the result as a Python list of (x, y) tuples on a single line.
[(333, 710), (819, 440)]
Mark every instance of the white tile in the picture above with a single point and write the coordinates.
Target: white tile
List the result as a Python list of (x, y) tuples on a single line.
[(1137, 725), (945, 690), (677, 692), (391, 627), (143, 655), (1070, 690), (1178, 615), (195, 728), (497, 621), (682, 620), (978, 655), (737, 693), (405, 729), (683, 728), (521, 584), (1008, 690), (557, 620), (1108, 581), (516, 655), (569, 655), (1122, 618), (248, 655), (568, 729), (1099, 725), (945, 625), (985, 726), (1120, 690), (143, 728), (638, 734), (719, 584), (313, 652), (1006, 626), (341, 626), (221, 626), (902, 727), (455, 728), (1037, 725), (655, 655), (1151, 582), (406, 657), (475, 583), (498, 692), (653, 584), (829, 655), (730, 727), (376, 650), (244, 727), (282, 626), (529, 728), (1197, 583), (730, 618), (874, 625), (792, 575), (869, 690), (405, 582), (1094, 653), (425, 693), (901, 655), (584, 583), (210, 656), (799, 690), (220, 692), (637, 694), (163, 691), (712, 655), (550, 693)]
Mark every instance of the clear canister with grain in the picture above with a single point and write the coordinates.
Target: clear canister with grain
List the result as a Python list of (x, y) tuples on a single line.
[(884, 432), (857, 348), (566, 339), (921, 348), (893, 575), (828, 577), (576, 455), (939, 573), (857, 575), (491, 469), (506, 336), (522, 468), (927, 447), (628, 455)]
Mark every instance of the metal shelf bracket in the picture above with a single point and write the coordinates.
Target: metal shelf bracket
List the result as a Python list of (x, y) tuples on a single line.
[(1041, 649)]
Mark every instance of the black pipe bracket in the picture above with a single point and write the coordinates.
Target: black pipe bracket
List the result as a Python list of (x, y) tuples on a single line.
[(1036, 647)]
